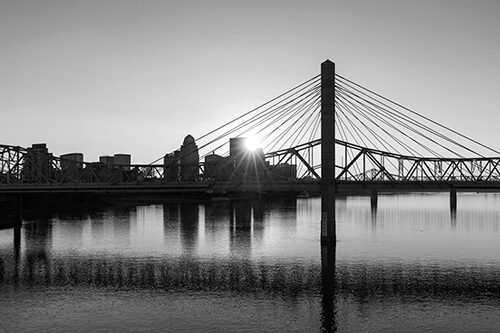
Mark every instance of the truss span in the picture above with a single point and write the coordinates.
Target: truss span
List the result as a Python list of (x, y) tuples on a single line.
[(368, 164)]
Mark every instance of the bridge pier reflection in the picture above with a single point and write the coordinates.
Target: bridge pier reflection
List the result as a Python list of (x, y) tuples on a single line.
[(328, 252), (17, 239), (453, 220), (453, 199), (453, 208), (17, 251), (373, 200), (18, 222)]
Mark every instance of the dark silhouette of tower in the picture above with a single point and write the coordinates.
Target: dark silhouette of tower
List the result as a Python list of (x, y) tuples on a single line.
[(328, 152), (189, 159)]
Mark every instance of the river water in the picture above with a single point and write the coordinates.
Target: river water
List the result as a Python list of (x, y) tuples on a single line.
[(410, 265)]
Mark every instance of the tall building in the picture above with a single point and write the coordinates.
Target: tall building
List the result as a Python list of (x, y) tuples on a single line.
[(72, 161), (37, 165), (122, 160), (237, 148), (189, 159), (118, 160), (108, 161), (248, 164), (217, 167), (171, 166)]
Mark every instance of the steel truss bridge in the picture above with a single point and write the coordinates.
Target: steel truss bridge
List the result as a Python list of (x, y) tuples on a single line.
[(374, 144)]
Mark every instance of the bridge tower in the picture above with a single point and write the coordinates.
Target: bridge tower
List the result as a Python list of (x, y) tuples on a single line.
[(328, 152)]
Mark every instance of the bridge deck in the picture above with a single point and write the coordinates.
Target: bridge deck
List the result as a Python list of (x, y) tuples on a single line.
[(235, 187)]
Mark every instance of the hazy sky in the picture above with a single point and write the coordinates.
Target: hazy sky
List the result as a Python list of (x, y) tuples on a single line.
[(102, 77)]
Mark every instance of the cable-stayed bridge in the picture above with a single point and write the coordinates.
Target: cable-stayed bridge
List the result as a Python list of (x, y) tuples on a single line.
[(327, 129)]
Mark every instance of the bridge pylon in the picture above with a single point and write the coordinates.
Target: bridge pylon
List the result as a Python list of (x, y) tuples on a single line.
[(328, 152)]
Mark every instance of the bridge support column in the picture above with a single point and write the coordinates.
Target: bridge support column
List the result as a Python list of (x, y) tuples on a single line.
[(328, 152), (18, 222), (18, 210), (453, 200)]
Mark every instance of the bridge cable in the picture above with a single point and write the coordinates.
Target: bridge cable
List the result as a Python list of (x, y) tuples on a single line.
[(391, 116), (268, 116), (296, 112), (391, 126), (370, 130), (419, 115), (345, 139), (277, 115), (291, 92), (287, 130), (380, 139), (409, 128), (399, 142), (260, 106)]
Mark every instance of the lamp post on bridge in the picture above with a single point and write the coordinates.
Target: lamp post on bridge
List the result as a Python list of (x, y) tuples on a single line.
[(328, 152)]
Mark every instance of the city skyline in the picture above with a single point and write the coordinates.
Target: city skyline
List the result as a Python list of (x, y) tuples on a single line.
[(127, 77)]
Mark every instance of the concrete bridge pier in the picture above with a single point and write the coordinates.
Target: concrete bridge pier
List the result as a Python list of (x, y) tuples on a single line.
[(453, 200), (18, 222)]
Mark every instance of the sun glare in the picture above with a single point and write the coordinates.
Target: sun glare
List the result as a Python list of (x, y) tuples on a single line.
[(252, 143)]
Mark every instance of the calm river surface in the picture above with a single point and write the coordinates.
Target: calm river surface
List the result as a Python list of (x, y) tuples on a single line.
[(409, 266)]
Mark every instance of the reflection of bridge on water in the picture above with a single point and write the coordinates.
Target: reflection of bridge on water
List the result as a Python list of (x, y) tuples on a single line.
[(239, 227)]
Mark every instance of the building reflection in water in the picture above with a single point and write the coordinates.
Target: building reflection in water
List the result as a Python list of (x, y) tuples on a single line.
[(189, 227), (105, 229), (281, 224), (217, 229), (181, 228), (37, 250), (121, 224), (171, 225), (259, 209), (240, 244)]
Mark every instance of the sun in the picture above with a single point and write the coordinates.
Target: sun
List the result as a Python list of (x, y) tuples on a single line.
[(252, 143)]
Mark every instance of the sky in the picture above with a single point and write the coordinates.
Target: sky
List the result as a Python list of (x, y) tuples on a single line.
[(136, 76)]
